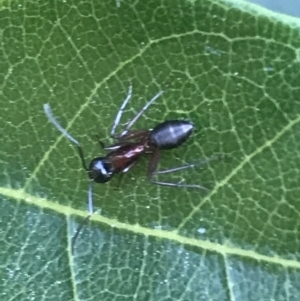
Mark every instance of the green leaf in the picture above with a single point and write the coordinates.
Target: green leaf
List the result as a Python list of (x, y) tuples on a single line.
[(233, 71)]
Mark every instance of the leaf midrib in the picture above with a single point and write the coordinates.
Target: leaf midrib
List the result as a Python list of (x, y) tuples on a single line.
[(223, 249)]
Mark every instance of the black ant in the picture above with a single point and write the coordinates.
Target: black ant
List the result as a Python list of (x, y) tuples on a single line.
[(130, 146)]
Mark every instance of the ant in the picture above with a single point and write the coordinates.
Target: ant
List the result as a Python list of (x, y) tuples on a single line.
[(130, 146)]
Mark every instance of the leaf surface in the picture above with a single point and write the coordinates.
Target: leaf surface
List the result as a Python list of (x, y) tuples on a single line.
[(233, 71)]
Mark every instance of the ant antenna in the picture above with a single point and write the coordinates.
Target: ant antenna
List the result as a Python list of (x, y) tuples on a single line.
[(53, 120), (90, 199)]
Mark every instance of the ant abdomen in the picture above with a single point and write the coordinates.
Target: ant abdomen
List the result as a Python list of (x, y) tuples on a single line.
[(170, 134)]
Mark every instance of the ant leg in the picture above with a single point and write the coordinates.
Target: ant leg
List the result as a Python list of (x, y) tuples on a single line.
[(90, 198), (110, 147), (153, 163), (90, 202), (129, 167), (120, 112), (202, 162), (180, 184), (132, 135), (53, 120), (125, 140), (138, 115), (119, 182)]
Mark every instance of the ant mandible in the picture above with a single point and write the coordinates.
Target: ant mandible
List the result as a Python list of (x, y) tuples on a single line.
[(130, 146)]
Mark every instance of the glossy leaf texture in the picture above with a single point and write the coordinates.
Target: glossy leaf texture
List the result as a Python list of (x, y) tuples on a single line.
[(232, 69)]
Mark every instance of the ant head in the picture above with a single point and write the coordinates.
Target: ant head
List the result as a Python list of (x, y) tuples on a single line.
[(100, 170)]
